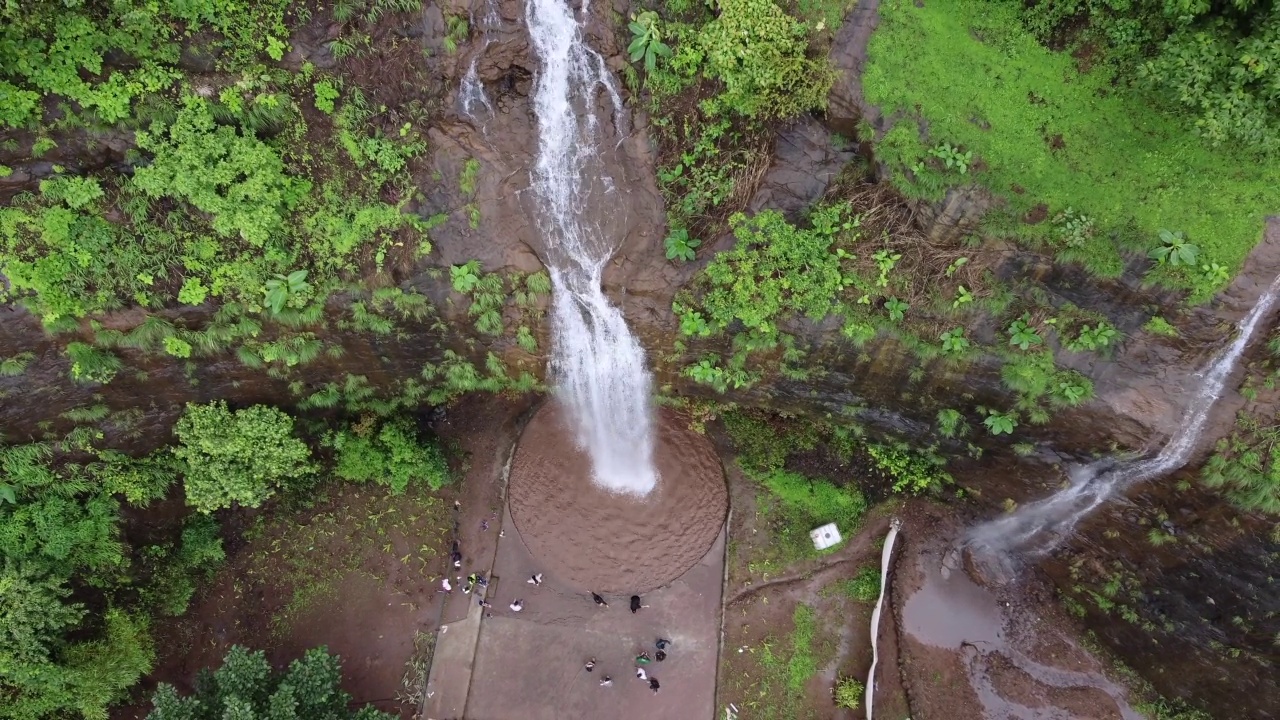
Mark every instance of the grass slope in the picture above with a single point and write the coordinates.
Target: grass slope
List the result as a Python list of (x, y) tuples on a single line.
[(1049, 134)]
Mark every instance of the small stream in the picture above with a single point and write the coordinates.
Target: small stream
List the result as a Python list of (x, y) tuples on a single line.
[(1037, 528)]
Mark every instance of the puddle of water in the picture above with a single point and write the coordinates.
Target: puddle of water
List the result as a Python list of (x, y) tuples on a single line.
[(950, 611)]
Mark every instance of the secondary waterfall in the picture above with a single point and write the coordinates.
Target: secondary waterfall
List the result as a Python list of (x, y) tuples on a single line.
[(597, 364), (1039, 527)]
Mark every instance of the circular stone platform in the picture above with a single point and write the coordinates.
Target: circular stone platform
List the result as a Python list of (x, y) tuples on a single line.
[(606, 542)]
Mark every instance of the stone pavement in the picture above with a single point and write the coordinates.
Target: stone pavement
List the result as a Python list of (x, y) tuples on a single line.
[(529, 665)]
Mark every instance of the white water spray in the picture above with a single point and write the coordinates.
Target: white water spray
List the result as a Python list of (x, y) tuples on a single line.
[(598, 365), (1039, 527), (471, 94)]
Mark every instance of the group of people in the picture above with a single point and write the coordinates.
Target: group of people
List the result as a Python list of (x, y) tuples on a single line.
[(478, 580), (642, 660)]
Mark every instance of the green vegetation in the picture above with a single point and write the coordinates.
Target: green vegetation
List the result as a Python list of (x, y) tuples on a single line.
[(646, 40), (1218, 63), (863, 587), (849, 693), (60, 535), (246, 687), (238, 458), (794, 505), (785, 666), (1245, 465), (1044, 131), (388, 452)]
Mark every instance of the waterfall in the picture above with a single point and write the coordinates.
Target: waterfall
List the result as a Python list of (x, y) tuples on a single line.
[(471, 94), (1039, 527), (597, 364)]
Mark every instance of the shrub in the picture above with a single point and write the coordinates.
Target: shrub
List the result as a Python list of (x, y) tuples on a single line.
[(233, 176), (238, 458), (1245, 465), (198, 553), (774, 269), (759, 53), (390, 454), (911, 472), (141, 480), (246, 687), (849, 693)]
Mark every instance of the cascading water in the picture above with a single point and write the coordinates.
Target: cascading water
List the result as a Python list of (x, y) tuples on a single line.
[(1039, 527), (598, 365), (471, 94)]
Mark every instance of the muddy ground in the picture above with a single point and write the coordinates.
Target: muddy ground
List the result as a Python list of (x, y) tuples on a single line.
[(357, 571), (948, 648)]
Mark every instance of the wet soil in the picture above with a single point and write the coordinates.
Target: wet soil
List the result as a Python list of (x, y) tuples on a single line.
[(610, 542), (759, 618), (966, 651)]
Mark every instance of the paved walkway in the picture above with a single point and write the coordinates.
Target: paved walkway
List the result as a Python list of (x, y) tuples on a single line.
[(529, 665)]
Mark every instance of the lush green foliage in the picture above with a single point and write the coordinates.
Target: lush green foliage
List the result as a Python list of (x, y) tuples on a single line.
[(60, 540), (1048, 133), (1000, 423), (1218, 61), (646, 40), (91, 365), (911, 472), (1245, 465), (849, 693), (775, 270), (64, 50), (807, 503), (759, 53), (388, 452), (228, 173), (1175, 250), (239, 457), (246, 688), (680, 246)]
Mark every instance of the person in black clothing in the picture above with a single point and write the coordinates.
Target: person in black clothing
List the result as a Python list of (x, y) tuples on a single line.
[(660, 656), (635, 604), (653, 685), (599, 600)]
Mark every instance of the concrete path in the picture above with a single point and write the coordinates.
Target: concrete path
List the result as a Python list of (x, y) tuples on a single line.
[(529, 665)]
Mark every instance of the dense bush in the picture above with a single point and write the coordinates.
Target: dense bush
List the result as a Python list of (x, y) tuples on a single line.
[(246, 688), (66, 49), (237, 179), (774, 272), (60, 540), (1219, 61), (239, 457), (760, 54), (389, 453)]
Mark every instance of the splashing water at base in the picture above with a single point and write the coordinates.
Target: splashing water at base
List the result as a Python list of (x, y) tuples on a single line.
[(1037, 528), (598, 365)]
